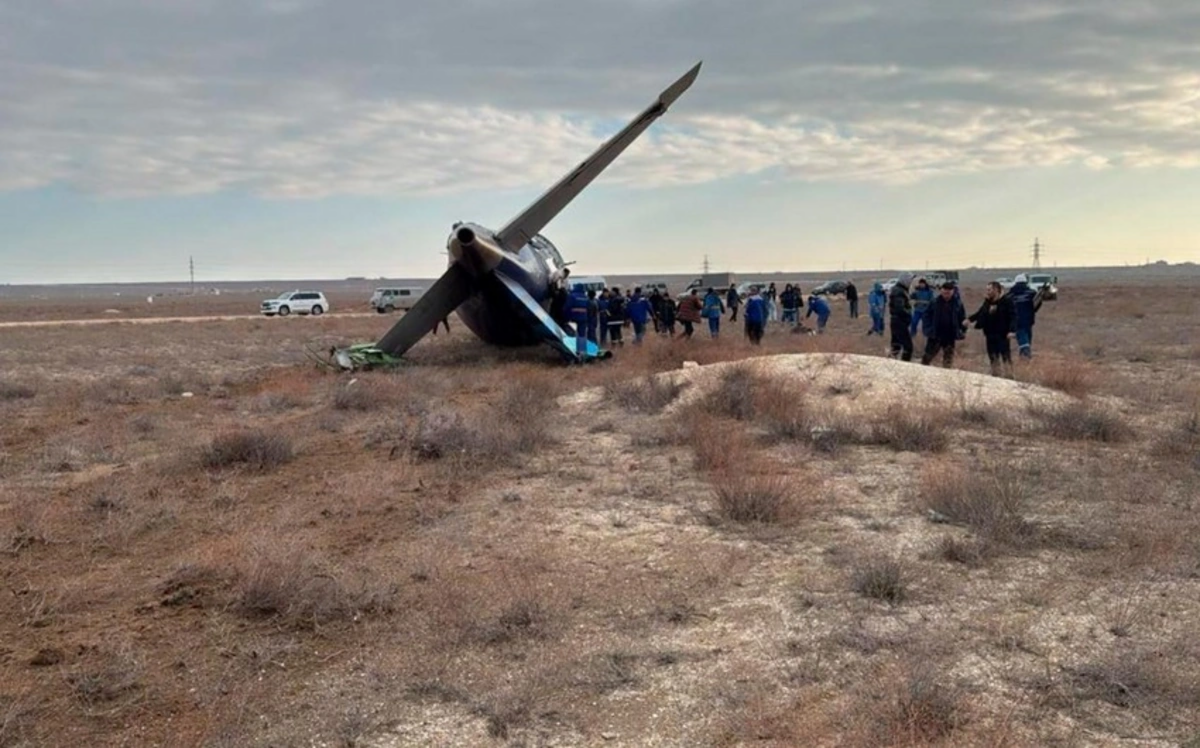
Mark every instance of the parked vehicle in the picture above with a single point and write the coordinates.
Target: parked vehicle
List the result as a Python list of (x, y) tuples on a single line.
[(390, 299), (590, 282), (830, 288), (719, 281), (1047, 284), (743, 289), (296, 302)]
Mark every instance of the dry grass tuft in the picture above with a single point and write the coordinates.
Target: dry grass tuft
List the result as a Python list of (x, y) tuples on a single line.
[(905, 430), (1134, 677), (300, 589), (990, 502), (880, 578), (923, 707), (649, 394), (15, 391), (258, 450), (1085, 420), (1074, 377), (750, 498), (115, 676), (735, 395)]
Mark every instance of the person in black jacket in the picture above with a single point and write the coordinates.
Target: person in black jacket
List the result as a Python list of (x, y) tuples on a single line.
[(852, 298), (900, 311), (946, 322), (998, 321)]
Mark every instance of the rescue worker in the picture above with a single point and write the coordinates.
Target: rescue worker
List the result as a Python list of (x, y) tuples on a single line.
[(733, 301), (639, 313), (852, 299), (713, 309), (876, 304), (999, 323), (755, 316), (820, 307), (577, 314), (1026, 304), (690, 310), (922, 297), (616, 317), (900, 311), (946, 320), (790, 301)]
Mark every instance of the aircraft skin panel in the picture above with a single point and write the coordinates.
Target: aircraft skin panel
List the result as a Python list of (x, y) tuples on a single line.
[(547, 327), (443, 297), (520, 230)]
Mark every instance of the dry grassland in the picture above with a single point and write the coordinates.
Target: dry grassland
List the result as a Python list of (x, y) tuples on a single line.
[(485, 548)]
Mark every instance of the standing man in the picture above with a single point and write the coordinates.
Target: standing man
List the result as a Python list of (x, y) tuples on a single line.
[(852, 299), (1026, 304), (945, 321), (790, 301), (655, 307), (820, 307), (772, 298), (922, 297), (639, 313), (593, 316), (733, 301), (616, 317), (713, 309), (667, 314), (602, 308), (877, 306), (689, 313), (998, 323), (577, 314), (901, 313), (755, 316)]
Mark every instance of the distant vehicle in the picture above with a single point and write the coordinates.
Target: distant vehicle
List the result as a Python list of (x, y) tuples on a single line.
[(650, 287), (830, 288), (1046, 284), (743, 289), (390, 299), (718, 281), (590, 282), (297, 302)]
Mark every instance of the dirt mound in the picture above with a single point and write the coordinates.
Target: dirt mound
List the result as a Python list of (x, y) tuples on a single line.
[(859, 382)]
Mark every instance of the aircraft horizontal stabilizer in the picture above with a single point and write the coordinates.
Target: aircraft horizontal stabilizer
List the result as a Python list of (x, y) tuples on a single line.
[(443, 297), (549, 329), (533, 219)]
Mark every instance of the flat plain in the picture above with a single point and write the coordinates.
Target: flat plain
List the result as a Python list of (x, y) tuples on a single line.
[(207, 540)]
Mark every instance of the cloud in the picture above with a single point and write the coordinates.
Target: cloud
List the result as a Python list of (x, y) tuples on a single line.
[(305, 98)]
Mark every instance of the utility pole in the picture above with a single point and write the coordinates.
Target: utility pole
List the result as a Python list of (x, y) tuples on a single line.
[(705, 265), (192, 273), (1037, 254)]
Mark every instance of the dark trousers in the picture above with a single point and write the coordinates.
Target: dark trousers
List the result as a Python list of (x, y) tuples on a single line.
[(854, 309), (754, 331), (733, 317), (902, 342), (687, 327), (603, 329), (999, 352), (932, 346), (614, 332)]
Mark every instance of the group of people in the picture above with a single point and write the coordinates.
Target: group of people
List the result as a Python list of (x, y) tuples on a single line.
[(939, 314), (601, 317), (943, 320)]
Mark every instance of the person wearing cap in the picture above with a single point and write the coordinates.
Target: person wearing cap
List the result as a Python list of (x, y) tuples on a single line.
[(922, 297), (577, 314), (900, 312), (819, 307), (755, 316), (876, 304), (946, 319), (1026, 304)]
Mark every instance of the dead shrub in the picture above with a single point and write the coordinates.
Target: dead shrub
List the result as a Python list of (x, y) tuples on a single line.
[(302, 590), (1074, 377), (443, 433), (989, 502), (923, 706), (911, 431), (735, 394), (1183, 439), (747, 498), (255, 449), (277, 402), (880, 578), (525, 617), (649, 394), (783, 410), (360, 395), (1134, 677), (113, 677), (970, 553), (14, 391), (1085, 420)]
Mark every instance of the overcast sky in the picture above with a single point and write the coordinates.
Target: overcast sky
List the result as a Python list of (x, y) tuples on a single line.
[(323, 138)]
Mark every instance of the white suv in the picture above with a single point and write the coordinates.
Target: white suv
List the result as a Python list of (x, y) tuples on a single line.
[(299, 302)]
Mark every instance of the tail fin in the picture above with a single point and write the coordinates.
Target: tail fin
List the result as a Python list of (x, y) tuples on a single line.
[(533, 219)]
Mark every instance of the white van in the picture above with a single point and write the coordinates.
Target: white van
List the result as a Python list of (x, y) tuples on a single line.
[(589, 282), (391, 299)]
